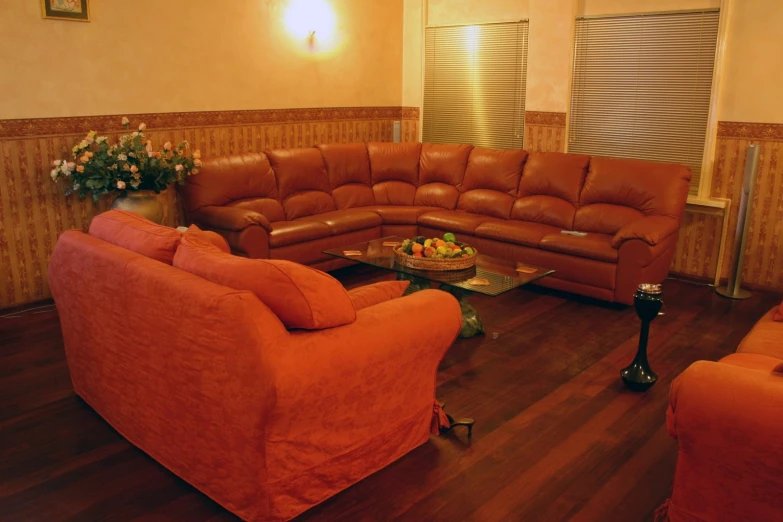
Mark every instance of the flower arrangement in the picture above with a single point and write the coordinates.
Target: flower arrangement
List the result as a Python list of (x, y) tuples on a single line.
[(129, 164)]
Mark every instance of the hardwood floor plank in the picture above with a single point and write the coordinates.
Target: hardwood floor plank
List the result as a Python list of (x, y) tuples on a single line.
[(557, 437)]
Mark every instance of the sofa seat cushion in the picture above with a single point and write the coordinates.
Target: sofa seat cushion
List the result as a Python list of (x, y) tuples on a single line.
[(399, 214), (376, 293), (286, 233), (455, 220), (591, 246), (753, 361), (519, 232), (136, 233), (347, 220), (765, 338), (300, 296)]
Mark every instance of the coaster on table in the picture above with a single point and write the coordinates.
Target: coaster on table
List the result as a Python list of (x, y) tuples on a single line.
[(391, 243), (352, 252), (527, 269), (478, 281)]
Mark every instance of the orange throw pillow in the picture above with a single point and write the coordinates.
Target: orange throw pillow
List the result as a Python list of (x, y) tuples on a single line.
[(369, 295), (209, 236), (778, 313), (300, 296), (133, 232)]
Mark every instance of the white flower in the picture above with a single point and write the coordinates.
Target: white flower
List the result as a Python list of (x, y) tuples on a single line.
[(197, 162), (135, 184), (113, 167), (142, 127), (120, 184), (178, 168), (125, 121), (76, 186), (196, 154), (194, 171), (54, 173), (56, 163), (131, 155), (100, 139), (167, 145), (122, 157)]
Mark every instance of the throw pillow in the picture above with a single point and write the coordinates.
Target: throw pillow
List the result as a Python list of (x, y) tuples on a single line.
[(300, 296), (369, 295), (211, 237), (134, 232), (778, 313)]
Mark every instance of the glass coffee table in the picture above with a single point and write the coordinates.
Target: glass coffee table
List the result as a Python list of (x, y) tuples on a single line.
[(502, 275)]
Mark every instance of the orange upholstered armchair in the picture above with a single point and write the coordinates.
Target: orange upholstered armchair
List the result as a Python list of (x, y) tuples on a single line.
[(208, 381), (727, 417)]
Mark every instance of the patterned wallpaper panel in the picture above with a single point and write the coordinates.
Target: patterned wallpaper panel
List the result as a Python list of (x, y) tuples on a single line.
[(34, 211)]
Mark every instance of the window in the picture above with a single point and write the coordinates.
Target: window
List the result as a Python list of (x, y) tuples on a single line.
[(474, 84), (641, 87)]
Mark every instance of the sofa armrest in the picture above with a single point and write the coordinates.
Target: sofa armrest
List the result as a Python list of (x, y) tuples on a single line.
[(650, 229), (729, 426), (230, 218), (372, 373)]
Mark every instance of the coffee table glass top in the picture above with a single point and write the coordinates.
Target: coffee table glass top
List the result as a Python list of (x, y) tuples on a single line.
[(501, 274)]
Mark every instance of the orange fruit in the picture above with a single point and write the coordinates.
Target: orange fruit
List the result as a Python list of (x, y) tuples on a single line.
[(417, 248), (418, 254)]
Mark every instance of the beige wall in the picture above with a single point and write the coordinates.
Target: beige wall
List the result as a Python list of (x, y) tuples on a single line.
[(549, 55), (412, 45), (608, 7), (194, 55), (448, 12), (752, 72)]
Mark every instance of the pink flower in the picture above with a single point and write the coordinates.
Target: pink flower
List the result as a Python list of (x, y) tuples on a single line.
[(89, 139), (125, 121), (167, 145), (178, 168), (71, 165), (120, 184), (80, 168), (142, 127), (197, 162), (196, 154), (56, 163), (149, 147), (134, 169)]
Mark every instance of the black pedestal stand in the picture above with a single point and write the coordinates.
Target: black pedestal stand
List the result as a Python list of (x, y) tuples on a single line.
[(647, 302)]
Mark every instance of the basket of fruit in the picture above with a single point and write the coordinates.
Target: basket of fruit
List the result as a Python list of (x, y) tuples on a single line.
[(440, 254)]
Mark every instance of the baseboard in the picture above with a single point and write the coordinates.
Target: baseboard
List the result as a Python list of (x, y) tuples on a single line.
[(709, 281)]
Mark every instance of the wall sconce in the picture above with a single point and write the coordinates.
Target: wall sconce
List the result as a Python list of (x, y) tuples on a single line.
[(311, 21)]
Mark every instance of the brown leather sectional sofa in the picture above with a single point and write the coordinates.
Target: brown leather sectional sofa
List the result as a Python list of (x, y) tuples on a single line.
[(295, 203)]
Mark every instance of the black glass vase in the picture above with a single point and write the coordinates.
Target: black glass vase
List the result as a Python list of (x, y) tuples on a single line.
[(648, 303)]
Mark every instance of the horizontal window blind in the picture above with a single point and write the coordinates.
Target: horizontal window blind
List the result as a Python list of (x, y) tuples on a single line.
[(641, 86), (474, 84)]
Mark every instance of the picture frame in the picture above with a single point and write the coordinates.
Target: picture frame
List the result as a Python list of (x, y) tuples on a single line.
[(73, 10)]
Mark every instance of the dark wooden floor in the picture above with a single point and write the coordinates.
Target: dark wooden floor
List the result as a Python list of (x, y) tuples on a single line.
[(557, 437)]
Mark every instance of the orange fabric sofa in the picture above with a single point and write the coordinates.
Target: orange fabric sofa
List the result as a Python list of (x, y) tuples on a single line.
[(727, 417), (295, 203), (208, 381)]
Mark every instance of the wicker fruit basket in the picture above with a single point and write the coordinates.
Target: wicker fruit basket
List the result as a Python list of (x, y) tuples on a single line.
[(440, 265)]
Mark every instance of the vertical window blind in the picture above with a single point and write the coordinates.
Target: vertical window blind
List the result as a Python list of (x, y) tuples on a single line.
[(641, 86), (474, 84)]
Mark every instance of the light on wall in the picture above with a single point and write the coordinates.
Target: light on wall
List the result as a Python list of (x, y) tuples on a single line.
[(312, 22)]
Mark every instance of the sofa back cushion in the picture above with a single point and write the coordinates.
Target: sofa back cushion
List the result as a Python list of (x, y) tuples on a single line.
[(491, 181), (214, 238), (394, 168), (441, 171), (550, 187), (300, 296), (245, 180), (348, 167), (136, 233), (619, 191), (302, 182)]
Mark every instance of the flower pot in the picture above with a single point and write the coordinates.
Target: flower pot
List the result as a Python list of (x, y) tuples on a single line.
[(143, 202)]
